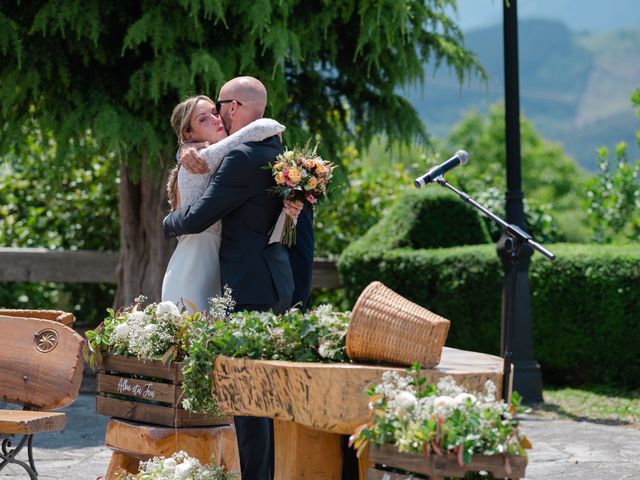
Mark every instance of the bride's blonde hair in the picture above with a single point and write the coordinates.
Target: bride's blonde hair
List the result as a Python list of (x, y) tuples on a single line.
[(181, 123)]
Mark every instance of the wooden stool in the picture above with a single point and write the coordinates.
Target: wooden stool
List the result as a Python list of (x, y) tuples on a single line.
[(132, 442)]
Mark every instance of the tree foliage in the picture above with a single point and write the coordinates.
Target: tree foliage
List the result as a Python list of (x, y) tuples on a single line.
[(551, 180), (614, 194), (117, 68), (76, 211)]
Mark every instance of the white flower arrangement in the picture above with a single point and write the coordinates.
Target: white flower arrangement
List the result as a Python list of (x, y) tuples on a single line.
[(178, 466), (427, 419)]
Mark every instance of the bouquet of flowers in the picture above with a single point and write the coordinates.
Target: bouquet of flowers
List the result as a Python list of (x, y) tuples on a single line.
[(300, 174), (428, 419), (178, 466)]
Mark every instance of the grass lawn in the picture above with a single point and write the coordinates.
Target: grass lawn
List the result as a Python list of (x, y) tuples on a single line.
[(598, 404)]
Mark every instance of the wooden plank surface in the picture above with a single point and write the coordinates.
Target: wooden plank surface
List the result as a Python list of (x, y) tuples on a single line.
[(329, 397), (156, 414), (89, 266), (501, 466), (26, 422), (45, 380), (147, 368), (140, 389), (44, 265)]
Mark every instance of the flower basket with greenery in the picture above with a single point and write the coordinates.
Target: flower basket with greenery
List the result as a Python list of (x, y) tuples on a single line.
[(425, 421), (161, 332)]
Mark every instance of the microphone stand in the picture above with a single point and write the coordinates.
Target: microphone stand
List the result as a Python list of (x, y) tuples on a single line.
[(516, 238)]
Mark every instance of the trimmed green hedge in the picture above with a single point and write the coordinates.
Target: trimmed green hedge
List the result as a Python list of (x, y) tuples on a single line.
[(585, 305)]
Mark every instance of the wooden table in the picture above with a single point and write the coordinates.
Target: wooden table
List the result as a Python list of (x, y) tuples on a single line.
[(313, 404)]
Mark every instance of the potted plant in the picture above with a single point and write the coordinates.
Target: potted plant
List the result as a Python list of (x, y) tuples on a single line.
[(440, 429)]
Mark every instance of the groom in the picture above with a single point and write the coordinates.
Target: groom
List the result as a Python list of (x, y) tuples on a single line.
[(259, 273)]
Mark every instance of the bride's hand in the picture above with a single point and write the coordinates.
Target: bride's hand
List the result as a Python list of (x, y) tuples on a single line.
[(191, 160), (293, 209)]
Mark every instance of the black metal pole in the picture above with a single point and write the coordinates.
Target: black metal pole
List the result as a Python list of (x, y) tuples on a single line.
[(527, 379)]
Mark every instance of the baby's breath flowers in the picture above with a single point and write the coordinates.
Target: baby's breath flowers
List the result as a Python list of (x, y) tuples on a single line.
[(418, 417), (178, 466), (149, 333)]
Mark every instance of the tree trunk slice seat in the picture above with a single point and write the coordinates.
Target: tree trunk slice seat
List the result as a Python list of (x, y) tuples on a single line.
[(133, 442), (41, 369), (313, 404)]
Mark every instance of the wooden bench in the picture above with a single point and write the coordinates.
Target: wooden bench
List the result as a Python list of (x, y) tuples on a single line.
[(40, 369)]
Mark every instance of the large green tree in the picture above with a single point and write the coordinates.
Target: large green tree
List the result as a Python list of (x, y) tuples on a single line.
[(114, 70)]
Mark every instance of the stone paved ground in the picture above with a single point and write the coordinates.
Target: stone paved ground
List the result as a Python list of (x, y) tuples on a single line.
[(562, 449)]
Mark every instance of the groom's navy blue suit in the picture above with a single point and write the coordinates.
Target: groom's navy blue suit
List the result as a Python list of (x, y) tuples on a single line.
[(258, 273)]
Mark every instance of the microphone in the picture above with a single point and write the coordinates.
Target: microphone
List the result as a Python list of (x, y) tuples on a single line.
[(460, 158)]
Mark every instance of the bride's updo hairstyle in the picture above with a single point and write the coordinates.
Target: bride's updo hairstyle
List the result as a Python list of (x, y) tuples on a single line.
[(181, 116), (181, 123)]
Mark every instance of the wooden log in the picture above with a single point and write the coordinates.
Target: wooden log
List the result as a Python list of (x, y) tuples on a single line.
[(119, 463), (41, 363), (27, 422), (501, 466), (306, 454), (329, 397), (144, 441)]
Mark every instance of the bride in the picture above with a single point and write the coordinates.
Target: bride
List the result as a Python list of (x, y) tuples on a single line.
[(193, 273)]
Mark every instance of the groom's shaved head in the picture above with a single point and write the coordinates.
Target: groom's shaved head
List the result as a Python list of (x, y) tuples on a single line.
[(250, 97), (246, 90)]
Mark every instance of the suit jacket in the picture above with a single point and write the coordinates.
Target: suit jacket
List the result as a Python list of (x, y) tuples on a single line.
[(259, 273)]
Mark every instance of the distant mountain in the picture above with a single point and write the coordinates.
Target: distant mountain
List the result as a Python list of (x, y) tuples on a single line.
[(575, 88)]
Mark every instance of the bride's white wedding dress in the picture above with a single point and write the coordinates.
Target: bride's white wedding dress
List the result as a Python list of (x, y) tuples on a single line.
[(193, 273)]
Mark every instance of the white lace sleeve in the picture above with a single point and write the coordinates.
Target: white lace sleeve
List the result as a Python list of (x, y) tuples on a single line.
[(254, 132)]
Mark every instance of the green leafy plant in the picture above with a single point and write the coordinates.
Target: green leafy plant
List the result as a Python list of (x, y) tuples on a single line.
[(613, 198), (315, 336), (435, 419)]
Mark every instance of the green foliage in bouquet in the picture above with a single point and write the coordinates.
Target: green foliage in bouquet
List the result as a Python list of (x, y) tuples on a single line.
[(178, 466), (427, 419), (315, 336)]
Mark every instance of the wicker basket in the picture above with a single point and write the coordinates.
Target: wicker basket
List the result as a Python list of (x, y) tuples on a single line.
[(64, 318), (387, 327)]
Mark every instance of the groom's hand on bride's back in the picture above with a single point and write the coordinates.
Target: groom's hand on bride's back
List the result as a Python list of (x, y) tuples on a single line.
[(190, 159)]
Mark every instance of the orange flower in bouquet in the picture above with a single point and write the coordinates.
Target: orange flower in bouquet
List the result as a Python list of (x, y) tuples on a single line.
[(300, 174)]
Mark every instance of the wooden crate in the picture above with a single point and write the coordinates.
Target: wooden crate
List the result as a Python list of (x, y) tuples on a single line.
[(152, 393), (500, 466)]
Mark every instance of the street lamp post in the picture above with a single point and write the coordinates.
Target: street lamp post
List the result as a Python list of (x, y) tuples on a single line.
[(527, 378)]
